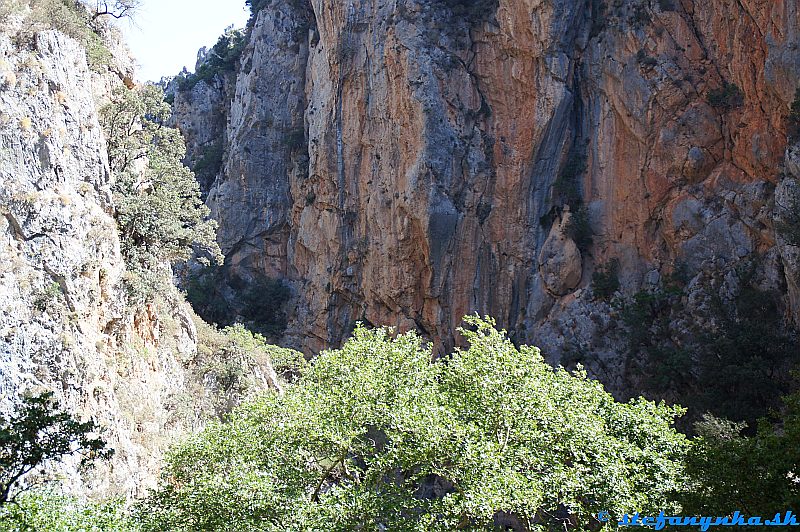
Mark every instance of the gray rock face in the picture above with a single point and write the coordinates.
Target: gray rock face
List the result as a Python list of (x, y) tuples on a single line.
[(64, 322), (201, 117), (63, 319), (787, 200), (560, 263)]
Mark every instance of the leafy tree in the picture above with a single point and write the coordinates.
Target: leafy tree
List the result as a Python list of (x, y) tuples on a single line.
[(376, 435), (39, 433), (758, 475), (160, 214)]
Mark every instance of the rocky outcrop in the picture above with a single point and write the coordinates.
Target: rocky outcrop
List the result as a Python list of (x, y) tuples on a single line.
[(560, 263), (395, 162), (63, 317), (787, 215)]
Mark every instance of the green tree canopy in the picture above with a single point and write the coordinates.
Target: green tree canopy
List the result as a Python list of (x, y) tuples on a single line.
[(758, 475), (378, 434), (160, 214)]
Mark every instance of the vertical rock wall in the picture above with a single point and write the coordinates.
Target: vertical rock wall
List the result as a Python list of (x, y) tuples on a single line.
[(395, 161)]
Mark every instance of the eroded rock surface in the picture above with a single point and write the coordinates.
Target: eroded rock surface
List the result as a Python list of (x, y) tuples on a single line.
[(395, 161)]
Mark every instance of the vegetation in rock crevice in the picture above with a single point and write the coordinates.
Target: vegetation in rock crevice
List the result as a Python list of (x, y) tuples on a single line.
[(73, 18), (224, 300), (727, 97), (605, 280), (793, 120)]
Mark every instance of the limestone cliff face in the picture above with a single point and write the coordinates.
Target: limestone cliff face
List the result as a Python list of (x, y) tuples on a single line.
[(396, 161), (64, 322)]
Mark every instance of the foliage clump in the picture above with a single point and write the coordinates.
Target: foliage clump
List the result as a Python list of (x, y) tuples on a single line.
[(209, 163), (605, 280), (49, 510), (793, 121), (224, 301), (567, 185), (727, 97), (70, 17), (579, 228), (40, 433), (255, 6), (160, 214), (377, 435), (234, 364), (567, 189), (758, 473), (734, 362), (788, 225), (223, 57)]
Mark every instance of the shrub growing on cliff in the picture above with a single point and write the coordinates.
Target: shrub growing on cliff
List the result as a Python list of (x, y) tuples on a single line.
[(605, 280), (255, 6), (788, 225), (734, 363), (759, 474), (223, 57), (71, 18), (727, 97), (579, 228), (378, 436), (793, 121), (568, 183), (209, 163), (222, 300), (160, 214)]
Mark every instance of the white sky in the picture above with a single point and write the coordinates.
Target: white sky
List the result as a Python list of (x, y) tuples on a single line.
[(166, 34)]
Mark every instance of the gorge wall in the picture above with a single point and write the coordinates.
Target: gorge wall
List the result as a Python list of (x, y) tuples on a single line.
[(409, 162)]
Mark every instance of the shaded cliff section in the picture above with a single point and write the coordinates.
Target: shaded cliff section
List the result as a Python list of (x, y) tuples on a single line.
[(411, 161)]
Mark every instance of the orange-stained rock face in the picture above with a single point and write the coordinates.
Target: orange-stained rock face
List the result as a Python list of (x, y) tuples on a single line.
[(426, 138)]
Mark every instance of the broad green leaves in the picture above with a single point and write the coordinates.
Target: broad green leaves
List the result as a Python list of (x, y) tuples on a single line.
[(40, 432), (379, 434)]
